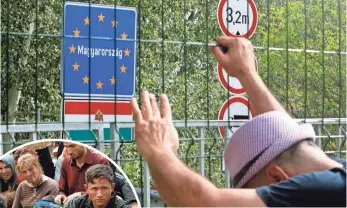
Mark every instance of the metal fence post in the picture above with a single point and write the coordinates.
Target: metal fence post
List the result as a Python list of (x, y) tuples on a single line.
[(202, 151), (33, 135), (319, 134), (101, 139), (147, 195), (114, 142), (339, 140), (227, 134), (2, 145)]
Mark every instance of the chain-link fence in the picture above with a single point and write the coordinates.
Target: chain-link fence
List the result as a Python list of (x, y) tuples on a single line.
[(301, 55)]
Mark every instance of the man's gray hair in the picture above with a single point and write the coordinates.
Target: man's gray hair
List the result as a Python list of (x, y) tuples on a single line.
[(99, 171)]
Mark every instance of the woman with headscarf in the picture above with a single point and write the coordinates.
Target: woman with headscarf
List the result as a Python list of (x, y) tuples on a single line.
[(8, 179), (35, 186)]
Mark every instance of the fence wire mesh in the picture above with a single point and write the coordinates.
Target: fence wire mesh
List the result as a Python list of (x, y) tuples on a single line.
[(301, 54)]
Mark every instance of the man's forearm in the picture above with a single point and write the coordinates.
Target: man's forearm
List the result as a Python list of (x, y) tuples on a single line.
[(260, 97), (177, 184)]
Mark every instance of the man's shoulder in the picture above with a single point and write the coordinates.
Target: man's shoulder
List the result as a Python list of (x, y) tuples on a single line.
[(120, 203), (66, 161), (98, 158), (321, 188), (51, 182), (79, 201), (83, 201), (334, 179), (119, 176), (22, 185), (340, 160)]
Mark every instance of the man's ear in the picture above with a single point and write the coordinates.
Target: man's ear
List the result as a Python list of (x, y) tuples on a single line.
[(275, 174), (113, 186), (86, 187)]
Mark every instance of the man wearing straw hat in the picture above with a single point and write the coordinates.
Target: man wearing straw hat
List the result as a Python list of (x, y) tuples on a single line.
[(272, 160)]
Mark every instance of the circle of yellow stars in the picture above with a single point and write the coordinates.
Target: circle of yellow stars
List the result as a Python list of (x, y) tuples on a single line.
[(72, 49)]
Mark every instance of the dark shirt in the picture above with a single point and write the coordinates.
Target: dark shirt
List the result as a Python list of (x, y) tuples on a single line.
[(72, 178), (314, 189), (46, 162), (84, 202), (123, 188)]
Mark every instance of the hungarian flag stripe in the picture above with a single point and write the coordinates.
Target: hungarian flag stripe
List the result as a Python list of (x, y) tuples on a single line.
[(105, 118), (106, 108)]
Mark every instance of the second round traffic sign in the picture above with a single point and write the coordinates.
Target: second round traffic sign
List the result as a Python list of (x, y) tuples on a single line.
[(230, 83), (235, 108), (237, 18)]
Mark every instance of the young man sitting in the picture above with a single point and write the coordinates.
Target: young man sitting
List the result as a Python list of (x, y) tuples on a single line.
[(99, 187)]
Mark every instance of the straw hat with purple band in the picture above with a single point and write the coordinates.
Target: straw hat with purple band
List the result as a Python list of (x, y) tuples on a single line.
[(261, 140)]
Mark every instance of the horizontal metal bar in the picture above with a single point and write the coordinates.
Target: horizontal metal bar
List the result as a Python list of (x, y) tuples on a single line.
[(220, 138), (316, 121), (331, 136), (41, 35), (160, 41), (52, 127), (331, 152), (181, 140), (58, 126), (299, 50), (212, 156)]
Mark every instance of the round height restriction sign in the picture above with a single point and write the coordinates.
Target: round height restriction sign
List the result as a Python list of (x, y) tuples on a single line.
[(235, 108), (237, 18), (230, 83)]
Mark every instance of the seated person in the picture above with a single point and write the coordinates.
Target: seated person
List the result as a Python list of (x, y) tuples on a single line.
[(58, 165), (43, 151), (8, 178), (73, 168), (40, 149), (122, 188), (41, 158), (99, 187), (35, 185)]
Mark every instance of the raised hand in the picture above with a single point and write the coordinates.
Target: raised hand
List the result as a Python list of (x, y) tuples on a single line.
[(154, 130)]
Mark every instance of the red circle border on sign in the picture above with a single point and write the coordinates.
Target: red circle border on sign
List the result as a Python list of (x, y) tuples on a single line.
[(225, 83), (226, 105), (225, 30)]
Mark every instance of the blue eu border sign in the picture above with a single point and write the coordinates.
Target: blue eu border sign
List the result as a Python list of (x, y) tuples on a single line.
[(99, 58)]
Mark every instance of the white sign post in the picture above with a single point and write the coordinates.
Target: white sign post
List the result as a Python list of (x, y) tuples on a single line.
[(237, 18)]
